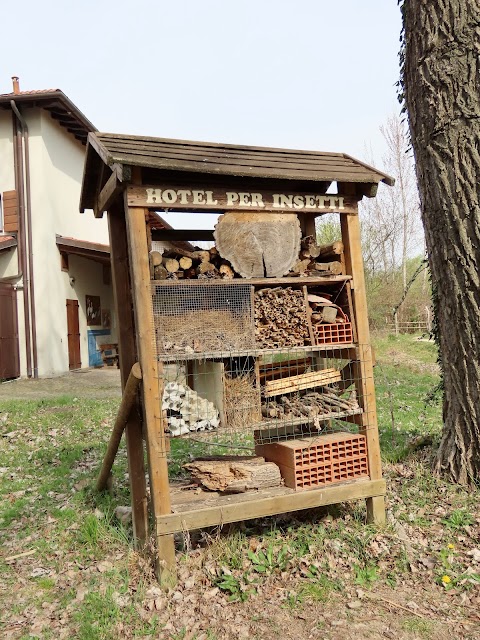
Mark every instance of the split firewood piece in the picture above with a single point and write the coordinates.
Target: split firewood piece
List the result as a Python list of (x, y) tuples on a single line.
[(301, 266), (235, 475), (331, 251), (171, 265), (178, 251), (226, 272), (259, 244), (203, 256), (159, 272), (310, 248), (333, 267), (205, 267), (185, 262)]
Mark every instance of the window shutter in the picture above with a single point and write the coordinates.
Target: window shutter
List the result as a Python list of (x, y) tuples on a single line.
[(10, 211)]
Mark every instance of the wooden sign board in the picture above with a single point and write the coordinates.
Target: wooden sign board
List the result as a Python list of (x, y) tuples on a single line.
[(215, 198)]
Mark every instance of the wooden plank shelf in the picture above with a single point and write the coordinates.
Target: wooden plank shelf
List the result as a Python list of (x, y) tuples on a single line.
[(257, 282), (328, 350), (192, 510), (277, 425)]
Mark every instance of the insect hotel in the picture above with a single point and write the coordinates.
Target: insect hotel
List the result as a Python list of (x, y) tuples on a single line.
[(244, 351)]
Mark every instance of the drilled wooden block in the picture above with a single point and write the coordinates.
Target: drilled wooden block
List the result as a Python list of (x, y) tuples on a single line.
[(323, 460)]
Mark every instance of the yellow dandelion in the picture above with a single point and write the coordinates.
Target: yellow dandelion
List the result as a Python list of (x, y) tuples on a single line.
[(446, 579), (451, 546)]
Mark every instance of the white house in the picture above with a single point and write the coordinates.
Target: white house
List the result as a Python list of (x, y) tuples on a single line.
[(56, 303)]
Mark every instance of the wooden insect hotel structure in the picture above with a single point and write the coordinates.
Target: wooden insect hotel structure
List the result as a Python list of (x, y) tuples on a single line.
[(245, 361)]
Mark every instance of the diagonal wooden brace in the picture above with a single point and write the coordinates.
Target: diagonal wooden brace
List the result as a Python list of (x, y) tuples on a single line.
[(128, 400)]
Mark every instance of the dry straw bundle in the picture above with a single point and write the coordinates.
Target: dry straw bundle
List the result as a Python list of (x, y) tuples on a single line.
[(241, 402)]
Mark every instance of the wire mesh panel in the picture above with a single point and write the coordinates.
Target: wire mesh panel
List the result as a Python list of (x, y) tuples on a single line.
[(244, 370), (237, 405), (202, 318)]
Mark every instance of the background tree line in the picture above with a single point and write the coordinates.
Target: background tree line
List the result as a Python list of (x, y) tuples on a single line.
[(392, 237)]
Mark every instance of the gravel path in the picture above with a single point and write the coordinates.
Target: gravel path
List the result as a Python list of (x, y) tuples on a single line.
[(84, 383)]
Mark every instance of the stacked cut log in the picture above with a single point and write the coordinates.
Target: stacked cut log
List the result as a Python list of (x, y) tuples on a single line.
[(319, 260), (280, 318), (178, 264), (187, 411), (310, 405)]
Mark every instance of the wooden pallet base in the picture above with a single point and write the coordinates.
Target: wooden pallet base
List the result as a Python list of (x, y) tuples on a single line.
[(192, 510)]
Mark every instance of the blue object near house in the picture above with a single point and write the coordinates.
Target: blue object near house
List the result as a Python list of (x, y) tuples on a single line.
[(94, 354)]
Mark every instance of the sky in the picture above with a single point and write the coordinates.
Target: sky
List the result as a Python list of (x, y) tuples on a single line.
[(302, 74)]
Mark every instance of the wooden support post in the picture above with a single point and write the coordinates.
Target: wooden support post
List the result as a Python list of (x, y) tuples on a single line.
[(128, 401), (127, 358), (364, 367), (152, 387)]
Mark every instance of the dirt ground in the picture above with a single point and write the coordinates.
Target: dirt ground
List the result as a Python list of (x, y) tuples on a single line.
[(83, 383)]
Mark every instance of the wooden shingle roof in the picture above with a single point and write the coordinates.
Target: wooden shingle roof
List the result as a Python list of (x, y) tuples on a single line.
[(235, 160), (122, 152)]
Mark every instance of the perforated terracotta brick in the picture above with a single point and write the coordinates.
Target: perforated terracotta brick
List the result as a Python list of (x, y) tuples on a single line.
[(340, 333), (313, 462)]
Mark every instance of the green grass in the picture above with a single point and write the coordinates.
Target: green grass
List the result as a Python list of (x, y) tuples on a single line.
[(50, 454), (405, 375)]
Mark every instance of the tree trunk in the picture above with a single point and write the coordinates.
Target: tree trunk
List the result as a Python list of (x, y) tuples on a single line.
[(441, 79)]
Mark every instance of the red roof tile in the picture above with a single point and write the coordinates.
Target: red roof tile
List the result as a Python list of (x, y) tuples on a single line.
[(29, 93)]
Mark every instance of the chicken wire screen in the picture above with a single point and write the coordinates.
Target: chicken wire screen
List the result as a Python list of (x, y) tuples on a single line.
[(202, 318), (234, 404)]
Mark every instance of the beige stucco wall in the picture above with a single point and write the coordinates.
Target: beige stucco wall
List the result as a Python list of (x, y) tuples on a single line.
[(86, 278), (7, 173), (56, 162)]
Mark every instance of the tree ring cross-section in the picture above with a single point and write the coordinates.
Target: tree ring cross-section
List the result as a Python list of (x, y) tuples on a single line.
[(259, 245)]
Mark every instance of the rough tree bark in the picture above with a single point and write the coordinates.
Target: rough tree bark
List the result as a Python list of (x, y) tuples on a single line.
[(441, 82)]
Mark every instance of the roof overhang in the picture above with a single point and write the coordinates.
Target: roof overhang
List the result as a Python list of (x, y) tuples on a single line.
[(60, 107), (7, 242), (90, 250), (112, 157)]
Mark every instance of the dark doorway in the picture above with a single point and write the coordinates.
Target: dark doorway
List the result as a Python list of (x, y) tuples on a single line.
[(9, 353), (73, 330)]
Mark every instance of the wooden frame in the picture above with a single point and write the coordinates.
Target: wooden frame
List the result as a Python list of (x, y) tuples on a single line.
[(124, 194)]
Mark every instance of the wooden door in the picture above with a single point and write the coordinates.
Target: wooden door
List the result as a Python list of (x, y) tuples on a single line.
[(73, 330), (9, 350)]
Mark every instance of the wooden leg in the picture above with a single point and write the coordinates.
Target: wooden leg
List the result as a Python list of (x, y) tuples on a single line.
[(376, 510), (127, 352), (165, 568), (363, 368), (152, 386)]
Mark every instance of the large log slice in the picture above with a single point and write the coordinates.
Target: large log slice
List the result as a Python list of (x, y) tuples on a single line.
[(259, 245)]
